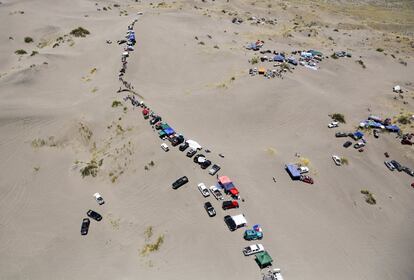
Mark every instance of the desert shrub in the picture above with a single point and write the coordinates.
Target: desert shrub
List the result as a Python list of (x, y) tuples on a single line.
[(369, 197), (20, 52), (34, 53), (148, 248), (201, 43), (116, 5), (254, 60), (344, 160), (91, 168), (148, 233), (151, 163), (216, 47), (338, 117), (404, 120), (233, 78), (28, 39), (80, 32), (334, 56), (116, 103), (379, 49)]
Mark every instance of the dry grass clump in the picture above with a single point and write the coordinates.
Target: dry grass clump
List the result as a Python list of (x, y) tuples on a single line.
[(369, 197), (304, 161), (91, 168), (39, 142), (254, 60), (28, 40), (344, 160), (80, 32), (153, 247), (116, 103), (360, 62), (338, 117), (20, 52)]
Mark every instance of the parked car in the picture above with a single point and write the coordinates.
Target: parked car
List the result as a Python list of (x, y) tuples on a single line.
[(191, 152), (199, 156), (155, 119), (303, 169), (250, 234), (85, 226), (216, 193), (359, 145), (165, 147), (337, 160), (306, 179), (376, 133), (183, 147), (347, 144), (94, 215), (333, 124), (341, 134), (203, 189), (230, 223), (99, 198), (205, 164), (406, 142), (397, 165), (210, 209), (230, 204), (214, 169), (178, 183), (253, 249), (389, 165), (177, 140), (409, 171)]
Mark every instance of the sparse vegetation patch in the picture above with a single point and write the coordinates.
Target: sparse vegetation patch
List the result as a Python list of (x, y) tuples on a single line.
[(80, 32), (338, 117), (369, 197)]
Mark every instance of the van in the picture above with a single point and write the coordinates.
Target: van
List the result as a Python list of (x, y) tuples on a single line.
[(165, 147)]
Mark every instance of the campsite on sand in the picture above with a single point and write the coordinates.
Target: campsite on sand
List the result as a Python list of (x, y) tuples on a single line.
[(207, 139)]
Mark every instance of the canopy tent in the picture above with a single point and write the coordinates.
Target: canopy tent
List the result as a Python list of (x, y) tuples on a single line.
[(314, 53), (169, 131), (263, 259), (293, 171), (239, 219), (164, 126), (261, 70), (162, 133), (193, 144), (227, 187), (358, 135), (224, 180), (145, 111)]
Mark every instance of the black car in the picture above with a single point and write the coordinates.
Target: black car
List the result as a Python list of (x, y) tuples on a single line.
[(341, 134), (214, 169), (230, 223), (94, 215), (409, 171), (85, 226), (177, 140), (191, 152), (347, 144), (183, 146), (230, 204), (195, 159), (205, 164), (397, 165), (182, 181), (155, 120), (210, 209)]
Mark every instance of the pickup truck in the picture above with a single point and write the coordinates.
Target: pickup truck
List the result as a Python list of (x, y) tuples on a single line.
[(216, 193)]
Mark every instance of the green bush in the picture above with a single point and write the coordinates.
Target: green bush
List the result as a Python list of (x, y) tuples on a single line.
[(254, 60), (28, 39), (338, 117), (20, 52), (80, 32), (380, 49)]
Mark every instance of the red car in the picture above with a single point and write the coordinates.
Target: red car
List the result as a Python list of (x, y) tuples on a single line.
[(306, 179), (230, 204), (412, 184)]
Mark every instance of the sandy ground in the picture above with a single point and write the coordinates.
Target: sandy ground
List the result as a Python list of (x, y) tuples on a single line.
[(63, 96)]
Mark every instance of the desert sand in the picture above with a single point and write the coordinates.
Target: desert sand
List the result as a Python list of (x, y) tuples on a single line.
[(57, 114)]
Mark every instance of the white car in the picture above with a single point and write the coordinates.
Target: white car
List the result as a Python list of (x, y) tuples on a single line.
[(98, 198), (253, 249), (203, 189), (337, 160), (333, 124), (216, 193), (165, 147), (303, 169)]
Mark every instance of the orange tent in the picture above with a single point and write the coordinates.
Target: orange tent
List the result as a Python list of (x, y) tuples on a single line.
[(262, 70)]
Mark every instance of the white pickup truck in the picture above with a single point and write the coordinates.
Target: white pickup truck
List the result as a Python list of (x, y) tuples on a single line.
[(216, 193)]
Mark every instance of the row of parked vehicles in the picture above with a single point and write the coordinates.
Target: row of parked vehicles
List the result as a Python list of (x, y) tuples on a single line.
[(92, 214), (395, 165)]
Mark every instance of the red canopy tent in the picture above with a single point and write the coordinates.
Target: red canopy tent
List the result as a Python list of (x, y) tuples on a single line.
[(223, 180)]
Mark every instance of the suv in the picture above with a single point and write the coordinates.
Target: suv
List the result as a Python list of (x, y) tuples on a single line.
[(177, 140), (205, 164), (165, 147), (214, 169), (210, 209), (203, 189), (397, 165), (229, 204), (94, 215), (341, 134), (155, 120), (181, 181), (85, 226), (389, 165), (230, 223), (99, 198), (191, 152), (183, 146), (347, 144), (359, 145)]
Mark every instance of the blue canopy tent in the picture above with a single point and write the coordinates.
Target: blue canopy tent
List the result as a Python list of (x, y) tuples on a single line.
[(169, 131), (358, 135), (293, 171), (228, 187)]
